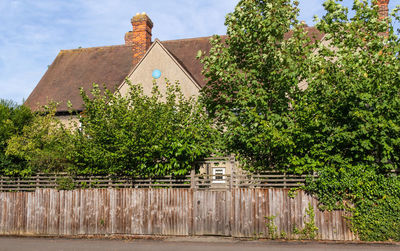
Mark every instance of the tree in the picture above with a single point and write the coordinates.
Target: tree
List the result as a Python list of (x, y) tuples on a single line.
[(253, 76), (142, 135), (13, 118), (345, 126), (348, 120)]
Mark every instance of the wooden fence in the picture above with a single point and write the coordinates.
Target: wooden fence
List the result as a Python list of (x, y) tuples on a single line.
[(238, 212), (197, 181)]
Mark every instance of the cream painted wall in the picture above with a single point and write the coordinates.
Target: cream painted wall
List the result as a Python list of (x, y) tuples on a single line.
[(69, 121), (159, 58)]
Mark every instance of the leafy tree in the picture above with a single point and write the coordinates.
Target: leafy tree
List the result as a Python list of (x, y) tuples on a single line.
[(348, 120), (253, 76), (344, 126), (141, 135), (43, 144), (13, 117)]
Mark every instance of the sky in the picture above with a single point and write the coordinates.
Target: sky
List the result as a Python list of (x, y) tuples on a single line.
[(32, 32)]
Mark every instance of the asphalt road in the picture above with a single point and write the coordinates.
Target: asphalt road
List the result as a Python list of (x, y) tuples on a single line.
[(200, 244)]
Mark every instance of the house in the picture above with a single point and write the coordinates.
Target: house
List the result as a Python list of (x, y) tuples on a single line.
[(136, 60)]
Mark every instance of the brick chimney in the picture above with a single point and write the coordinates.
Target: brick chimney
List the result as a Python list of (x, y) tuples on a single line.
[(383, 8), (140, 36)]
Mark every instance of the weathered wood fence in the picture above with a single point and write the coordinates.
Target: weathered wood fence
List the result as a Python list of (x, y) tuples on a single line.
[(238, 212), (198, 181), (204, 179)]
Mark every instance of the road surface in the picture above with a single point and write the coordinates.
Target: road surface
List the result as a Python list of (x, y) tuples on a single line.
[(177, 244)]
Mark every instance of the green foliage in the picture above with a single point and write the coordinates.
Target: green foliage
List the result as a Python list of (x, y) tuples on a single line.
[(13, 118), (348, 120), (253, 75), (310, 230), (141, 135), (345, 126), (65, 183), (272, 228), (42, 144), (292, 193)]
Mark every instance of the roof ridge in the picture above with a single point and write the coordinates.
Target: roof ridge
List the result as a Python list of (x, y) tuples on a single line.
[(189, 39), (96, 47), (123, 45)]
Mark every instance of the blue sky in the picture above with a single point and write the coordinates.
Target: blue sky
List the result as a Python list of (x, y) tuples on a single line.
[(32, 32)]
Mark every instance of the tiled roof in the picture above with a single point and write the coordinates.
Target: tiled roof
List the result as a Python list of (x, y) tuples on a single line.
[(73, 69)]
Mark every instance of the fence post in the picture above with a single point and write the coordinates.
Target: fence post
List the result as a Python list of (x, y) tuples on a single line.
[(192, 179), (1, 183), (284, 180), (233, 170), (194, 202), (109, 181)]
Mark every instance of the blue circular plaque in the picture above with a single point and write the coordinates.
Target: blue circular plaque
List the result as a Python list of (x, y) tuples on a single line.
[(156, 74)]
